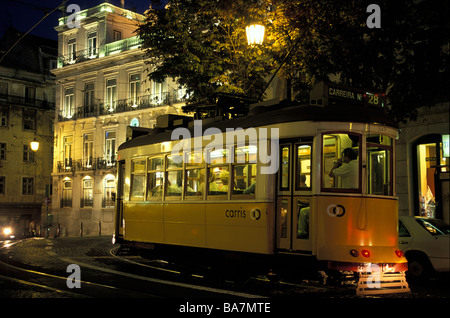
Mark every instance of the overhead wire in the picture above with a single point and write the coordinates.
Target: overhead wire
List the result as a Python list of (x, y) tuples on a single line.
[(31, 29)]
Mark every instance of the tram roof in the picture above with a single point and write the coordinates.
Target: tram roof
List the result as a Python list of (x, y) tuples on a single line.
[(278, 114)]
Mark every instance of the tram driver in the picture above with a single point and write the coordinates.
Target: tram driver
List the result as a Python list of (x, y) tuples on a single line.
[(347, 168)]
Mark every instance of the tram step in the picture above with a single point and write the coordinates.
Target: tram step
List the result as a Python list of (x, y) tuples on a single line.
[(382, 283)]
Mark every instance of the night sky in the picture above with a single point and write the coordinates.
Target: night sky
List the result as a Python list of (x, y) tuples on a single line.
[(24, 14)]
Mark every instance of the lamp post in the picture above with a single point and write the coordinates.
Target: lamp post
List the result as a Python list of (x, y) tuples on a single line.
[(34, 145)]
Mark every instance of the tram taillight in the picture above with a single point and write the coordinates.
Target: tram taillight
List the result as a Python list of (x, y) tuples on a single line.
[(399, 253), (365, 253)]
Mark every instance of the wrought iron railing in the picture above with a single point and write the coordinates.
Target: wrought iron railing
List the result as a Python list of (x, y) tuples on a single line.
[(69, 165), (97, 52), (119, 106), (26, 101)]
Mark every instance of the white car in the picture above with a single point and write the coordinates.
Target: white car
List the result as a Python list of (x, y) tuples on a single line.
[(426, 245)]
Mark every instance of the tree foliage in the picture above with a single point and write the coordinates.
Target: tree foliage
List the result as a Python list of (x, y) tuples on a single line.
[(202, 44)]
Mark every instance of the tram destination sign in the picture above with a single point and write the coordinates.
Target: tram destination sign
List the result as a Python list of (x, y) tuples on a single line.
[(325, 94)]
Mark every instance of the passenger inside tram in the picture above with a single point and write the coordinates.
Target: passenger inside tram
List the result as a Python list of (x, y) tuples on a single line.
[(224, 178), (303, 218), (346, 168)]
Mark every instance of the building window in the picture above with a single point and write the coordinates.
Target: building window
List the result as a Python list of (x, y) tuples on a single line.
[(89, 97), (27, 186), (111, 94), (30, 94), (29, 120), (71, 50), (3, 90), (92, 45), (134, 122), (88, 150), (68, 152), (28, 154), (2, 151), (109, 193), (110, 147), (2, 185), (135, 89), (66, 200), (3, 117), (158, 92), (68, 102), (88, 195), (117, 35)]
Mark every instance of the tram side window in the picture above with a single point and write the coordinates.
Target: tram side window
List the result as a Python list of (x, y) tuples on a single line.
[(284, 168), (218, 172), (219, 178), (303, 168), (174, 180), (155, 177), (195, 175), (379, 164), (138, 179), (303, 207), (341, 156), (244, 170)]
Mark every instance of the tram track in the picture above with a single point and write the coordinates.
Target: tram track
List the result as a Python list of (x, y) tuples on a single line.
[(125, 283), (237, 283), (57, 285)]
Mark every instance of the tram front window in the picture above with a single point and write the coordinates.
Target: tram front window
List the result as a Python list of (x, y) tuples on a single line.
[(341, 161), (379, 163)]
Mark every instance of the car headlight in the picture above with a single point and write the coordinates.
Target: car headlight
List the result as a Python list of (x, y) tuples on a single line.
[(7, 231)]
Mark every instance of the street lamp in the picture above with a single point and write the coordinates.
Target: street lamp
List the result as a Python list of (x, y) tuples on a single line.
[(255, 34), (34, 145)]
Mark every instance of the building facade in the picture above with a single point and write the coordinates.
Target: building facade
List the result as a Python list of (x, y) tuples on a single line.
[(27, 110), (102, 87), (423, 164)]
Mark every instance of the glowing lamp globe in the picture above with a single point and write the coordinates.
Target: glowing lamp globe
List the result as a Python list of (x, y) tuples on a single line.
[(34, 145), (255, 34)]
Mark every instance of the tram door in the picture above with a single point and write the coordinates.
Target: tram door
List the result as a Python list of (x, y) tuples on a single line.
[(294, 197), (119, 199)]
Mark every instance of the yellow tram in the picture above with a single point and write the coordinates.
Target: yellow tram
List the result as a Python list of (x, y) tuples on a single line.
[(267, 184)]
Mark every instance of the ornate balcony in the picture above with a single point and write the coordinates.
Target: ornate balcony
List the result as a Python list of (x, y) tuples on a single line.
[(119, 106), (26, 101), (99, 52), (89, 164)]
